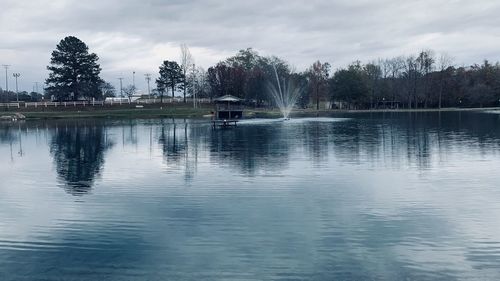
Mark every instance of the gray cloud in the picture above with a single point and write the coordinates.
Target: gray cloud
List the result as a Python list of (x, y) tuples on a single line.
[(137, 35)]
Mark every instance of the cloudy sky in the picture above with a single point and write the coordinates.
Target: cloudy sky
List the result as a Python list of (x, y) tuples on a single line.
[(138, 35)]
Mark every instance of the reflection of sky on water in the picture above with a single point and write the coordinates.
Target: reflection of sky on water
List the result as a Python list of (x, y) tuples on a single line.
[(383, 197)]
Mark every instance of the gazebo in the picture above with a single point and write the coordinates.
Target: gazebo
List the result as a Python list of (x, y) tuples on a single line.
[(228, 107)]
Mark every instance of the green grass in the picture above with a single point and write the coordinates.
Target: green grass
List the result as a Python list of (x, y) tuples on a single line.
[(174, 112)]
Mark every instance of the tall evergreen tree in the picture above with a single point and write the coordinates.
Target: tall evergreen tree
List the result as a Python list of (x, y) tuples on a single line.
[(350, 86), (170, 76), (74, 72)]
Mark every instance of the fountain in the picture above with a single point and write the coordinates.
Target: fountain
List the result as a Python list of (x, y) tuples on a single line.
[(285, 96)]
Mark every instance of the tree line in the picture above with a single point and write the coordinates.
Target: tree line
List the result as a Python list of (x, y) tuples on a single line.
[(416, 81), (422, 80), (23, 96)]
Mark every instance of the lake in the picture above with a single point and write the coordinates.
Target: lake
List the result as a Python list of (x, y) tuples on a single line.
[(385, 196)]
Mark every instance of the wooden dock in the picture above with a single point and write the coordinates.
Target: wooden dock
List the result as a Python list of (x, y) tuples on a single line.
[(224, 123)]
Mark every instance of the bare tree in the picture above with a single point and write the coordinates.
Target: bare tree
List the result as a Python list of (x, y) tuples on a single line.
[(202, 85), (373, 74), (198, 83), (319, 73), (425, 61), (107, 89), (187, 62), (129, 91), (411, 76), (445, 61), (395, 68), (384, 66)]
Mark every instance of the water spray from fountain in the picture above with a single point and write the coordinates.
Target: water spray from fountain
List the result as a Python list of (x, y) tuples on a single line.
[(285, 95)]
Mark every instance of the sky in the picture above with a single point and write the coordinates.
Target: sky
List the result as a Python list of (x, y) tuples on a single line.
[(137, 35)]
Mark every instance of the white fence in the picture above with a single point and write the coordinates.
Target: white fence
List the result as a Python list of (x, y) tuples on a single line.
[(97, 103)]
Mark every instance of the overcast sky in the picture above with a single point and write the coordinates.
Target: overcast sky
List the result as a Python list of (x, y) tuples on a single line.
[(138, 35)]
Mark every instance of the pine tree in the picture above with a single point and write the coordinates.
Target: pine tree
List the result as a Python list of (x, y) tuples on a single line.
[(74, 73), (170, 77)]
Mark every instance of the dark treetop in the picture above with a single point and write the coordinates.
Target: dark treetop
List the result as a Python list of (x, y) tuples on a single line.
[(170, 77), (74, 72)]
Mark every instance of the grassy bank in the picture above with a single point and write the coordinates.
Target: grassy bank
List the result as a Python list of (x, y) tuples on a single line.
[(187, 111), (125, 111)]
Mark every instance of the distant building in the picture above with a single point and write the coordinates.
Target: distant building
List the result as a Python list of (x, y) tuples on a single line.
[(121, 100)]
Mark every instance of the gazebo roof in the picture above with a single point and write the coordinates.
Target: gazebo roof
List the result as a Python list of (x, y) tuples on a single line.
[(228, 98)]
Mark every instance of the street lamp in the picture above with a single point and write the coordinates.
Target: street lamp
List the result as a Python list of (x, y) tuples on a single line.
[(148, 79), (133, 80), (16, 75), (6, 66), (121, 86)]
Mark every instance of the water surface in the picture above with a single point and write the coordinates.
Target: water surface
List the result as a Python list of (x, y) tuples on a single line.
[(398, 196)]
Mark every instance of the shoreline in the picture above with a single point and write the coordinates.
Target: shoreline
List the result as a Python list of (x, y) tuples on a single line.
[(313, 112), (182, 111)]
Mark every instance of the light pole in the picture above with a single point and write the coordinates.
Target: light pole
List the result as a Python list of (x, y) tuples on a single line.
[(6, 66), (35, 87), (133, 80), (148, 78), (16, 75), (121, 86)]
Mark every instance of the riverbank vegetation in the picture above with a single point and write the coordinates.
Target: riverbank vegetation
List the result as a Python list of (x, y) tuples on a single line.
[(424, 80), (419, 81)]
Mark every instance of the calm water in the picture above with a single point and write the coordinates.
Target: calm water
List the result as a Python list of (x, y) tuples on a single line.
[(381, 196)]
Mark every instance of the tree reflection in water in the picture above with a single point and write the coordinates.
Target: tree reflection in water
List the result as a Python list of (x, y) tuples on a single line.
[(173, 140), (397, 140), (252, 149), (78, 149)]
